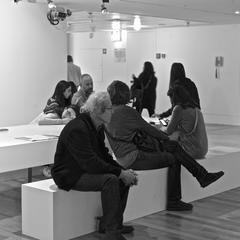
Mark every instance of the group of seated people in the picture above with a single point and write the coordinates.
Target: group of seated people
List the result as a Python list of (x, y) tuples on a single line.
[(82, 161), (66, 101)]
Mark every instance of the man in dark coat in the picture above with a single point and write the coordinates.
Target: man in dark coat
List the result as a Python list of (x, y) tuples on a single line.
[(82, 163)]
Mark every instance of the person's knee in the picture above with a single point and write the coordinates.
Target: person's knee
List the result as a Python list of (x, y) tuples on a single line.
[(111, 180), (171, 159)]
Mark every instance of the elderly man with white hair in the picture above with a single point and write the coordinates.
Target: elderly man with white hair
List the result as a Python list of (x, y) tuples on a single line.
[(82, 163)]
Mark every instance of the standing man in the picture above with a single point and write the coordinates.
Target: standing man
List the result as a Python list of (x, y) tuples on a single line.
[(81, 96), (74, 71), (82, 163)]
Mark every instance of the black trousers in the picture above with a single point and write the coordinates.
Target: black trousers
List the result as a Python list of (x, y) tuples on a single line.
[(172, 157), (114, 194)]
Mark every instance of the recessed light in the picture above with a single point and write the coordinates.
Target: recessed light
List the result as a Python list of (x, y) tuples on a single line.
[(237, 12)]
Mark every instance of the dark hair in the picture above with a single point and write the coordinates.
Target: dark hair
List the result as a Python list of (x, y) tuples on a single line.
[(180, 96), (148, 68), (177, 72), (73, 87), (119, 93), (69, 58), (58, 93)]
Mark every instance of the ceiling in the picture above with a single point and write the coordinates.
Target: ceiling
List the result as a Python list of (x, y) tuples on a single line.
[(153, 13)]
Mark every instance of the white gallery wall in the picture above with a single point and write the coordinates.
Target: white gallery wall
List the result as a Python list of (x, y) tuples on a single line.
[(33, 59), (88, 54), (195, 47)]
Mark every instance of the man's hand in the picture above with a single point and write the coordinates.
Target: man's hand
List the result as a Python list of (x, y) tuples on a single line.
[(129, 177), (136, 177)]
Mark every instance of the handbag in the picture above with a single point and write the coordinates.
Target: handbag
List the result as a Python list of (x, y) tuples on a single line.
[(142, 140), (145, 142)]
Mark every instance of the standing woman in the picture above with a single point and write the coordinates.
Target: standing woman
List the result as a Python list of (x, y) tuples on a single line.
[(187, 124), (177, 75), (148, 82)]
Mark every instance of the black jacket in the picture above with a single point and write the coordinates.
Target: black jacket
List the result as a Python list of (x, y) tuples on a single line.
[(81, 149)]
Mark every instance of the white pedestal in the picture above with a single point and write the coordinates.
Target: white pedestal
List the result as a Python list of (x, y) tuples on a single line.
[(52, 214)]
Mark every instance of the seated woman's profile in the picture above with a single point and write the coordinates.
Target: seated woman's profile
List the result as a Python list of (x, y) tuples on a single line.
[(187, 123)]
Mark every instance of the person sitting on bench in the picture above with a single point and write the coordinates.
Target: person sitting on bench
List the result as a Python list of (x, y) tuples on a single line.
[(82, 163), (140, 146)]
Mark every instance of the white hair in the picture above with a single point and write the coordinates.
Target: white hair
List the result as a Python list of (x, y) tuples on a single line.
[(97, 102)]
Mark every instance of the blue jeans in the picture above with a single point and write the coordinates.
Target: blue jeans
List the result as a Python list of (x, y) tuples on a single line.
[(114, 194)]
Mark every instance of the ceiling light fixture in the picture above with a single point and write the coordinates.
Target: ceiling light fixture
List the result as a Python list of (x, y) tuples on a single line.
[(56, 14), (137, 25), (237, 12), (104, 9), (51, 4)]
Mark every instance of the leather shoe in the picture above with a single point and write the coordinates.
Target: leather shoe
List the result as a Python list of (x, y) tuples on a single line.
[(179, 206), (125, 229), (113, 236), (210, 178)]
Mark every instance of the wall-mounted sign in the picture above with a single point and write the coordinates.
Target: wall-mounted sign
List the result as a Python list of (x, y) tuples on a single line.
[(219, 61), (104, 51), (120, 54)]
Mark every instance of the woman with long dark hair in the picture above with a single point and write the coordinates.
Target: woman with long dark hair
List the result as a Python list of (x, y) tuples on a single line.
[(187, 123), (178, 75), (147, 83), (58, 109)]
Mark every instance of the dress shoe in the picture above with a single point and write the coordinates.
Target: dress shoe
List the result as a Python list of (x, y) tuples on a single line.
[(179, 206), (125, 229), (210, 178), (113, 236)]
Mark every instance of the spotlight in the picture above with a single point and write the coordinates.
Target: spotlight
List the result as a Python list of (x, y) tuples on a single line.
[(57, 14), (104, 9), (16, 1), (51, 4)]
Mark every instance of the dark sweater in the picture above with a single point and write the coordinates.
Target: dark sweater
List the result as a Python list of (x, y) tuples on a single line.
[(81, 149)]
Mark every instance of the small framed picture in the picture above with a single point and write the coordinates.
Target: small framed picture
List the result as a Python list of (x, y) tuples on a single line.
[(158, 55), (104, 51), (219, 61)]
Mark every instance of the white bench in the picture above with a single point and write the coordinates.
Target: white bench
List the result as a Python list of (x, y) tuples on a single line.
[(49, 213), (52, 214)]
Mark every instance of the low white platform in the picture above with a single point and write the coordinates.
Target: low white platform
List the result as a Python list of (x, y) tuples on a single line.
[(64, 215)]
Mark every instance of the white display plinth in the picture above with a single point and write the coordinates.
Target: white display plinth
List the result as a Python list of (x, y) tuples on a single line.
[(52, 214)]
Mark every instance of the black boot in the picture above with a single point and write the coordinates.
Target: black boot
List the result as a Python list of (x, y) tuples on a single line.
[(113, 235), (124, 229), (209, 178), (179, 206)]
